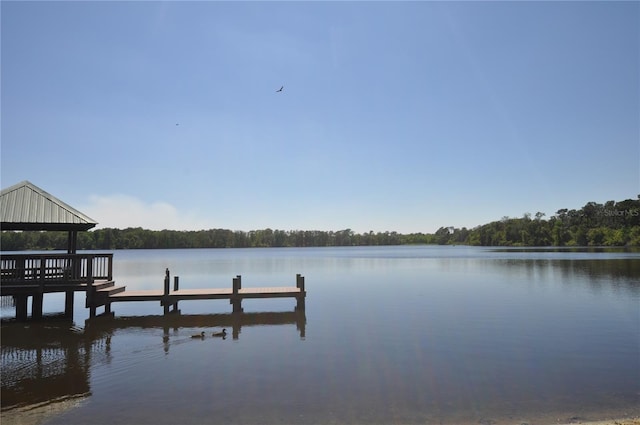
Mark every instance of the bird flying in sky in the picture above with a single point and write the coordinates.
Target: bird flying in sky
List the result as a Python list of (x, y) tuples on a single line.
[(280, 89)]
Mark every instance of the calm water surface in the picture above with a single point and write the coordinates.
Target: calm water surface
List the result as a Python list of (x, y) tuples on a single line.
[(390, 335)]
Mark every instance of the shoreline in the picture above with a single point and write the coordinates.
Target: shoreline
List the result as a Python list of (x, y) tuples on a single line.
[(42, 414), (625, 421)]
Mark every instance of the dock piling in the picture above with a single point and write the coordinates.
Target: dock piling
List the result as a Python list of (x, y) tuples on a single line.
[(167, 279), (21, 307), (176, 286), (68, 304), (300, 305), (165, 298), (236, 301), (36, 305), (90, 302)]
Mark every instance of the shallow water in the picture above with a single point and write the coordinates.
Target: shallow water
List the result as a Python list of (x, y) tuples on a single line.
[(390, 335)]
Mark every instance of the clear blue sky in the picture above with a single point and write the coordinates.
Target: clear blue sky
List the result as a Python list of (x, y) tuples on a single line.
[(394, 116)]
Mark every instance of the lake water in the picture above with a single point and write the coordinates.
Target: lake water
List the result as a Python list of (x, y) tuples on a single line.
[(410, 334)]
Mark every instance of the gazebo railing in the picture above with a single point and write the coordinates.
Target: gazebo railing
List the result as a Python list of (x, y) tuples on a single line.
[(55, 268)]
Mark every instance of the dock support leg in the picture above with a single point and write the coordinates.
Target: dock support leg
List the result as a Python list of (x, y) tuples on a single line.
[(68, 304), (303, 294), (21, 307), (176, 286), (165, 299), (90, 301), (236, 301), (36, 306)]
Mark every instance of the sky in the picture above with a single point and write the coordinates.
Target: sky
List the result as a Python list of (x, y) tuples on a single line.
[(394, 116)]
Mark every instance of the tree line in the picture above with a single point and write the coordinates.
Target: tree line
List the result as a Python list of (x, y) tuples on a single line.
[(609, 224), (139, 238)]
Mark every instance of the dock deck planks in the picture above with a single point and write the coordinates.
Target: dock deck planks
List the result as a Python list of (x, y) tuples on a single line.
[(205, 294)]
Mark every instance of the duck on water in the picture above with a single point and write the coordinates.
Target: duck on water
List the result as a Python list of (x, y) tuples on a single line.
[(222, 334)]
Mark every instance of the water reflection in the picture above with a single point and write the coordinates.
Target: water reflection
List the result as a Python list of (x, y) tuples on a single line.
[(617, 274), (398, 335), (48, 363), (42, 362), (235, 321)]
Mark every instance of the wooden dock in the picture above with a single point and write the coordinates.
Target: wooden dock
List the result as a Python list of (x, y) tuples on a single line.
[(109, 293), (34, 275)]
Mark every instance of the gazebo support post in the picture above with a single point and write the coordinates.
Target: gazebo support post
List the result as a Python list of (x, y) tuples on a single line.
[(68, 304), (36, 305), (21, 307), (72, 242)]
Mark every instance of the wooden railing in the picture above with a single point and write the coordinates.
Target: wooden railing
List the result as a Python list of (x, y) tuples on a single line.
[(55, 268)]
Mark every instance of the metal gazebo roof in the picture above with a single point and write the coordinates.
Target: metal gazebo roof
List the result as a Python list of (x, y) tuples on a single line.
[(25, 206)]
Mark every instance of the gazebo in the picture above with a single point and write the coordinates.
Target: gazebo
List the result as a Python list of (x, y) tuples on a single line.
[(26, 207)]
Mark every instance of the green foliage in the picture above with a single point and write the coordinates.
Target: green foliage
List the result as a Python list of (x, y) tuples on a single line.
[(138, 238), (609, 224)]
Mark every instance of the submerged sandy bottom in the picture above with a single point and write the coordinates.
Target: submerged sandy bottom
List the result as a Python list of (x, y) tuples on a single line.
[(42, 414), (39, 414)]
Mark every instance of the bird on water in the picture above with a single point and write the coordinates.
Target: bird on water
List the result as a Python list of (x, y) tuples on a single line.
[(222, 334), (200, 335)]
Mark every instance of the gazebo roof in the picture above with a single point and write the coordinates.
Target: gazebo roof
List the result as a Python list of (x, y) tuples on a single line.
[(25, 206)]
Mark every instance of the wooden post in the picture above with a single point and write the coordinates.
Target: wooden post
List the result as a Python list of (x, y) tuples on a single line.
[(21, 307), (21, 269), (36, 301), (235, 298), (70, 242), (165, 299), (301, 297), (36, 305), (110, 267), (43, 273), (90, 270), (68, 304), (90, 301), (176, 286), (300, 282), (167, 279)]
